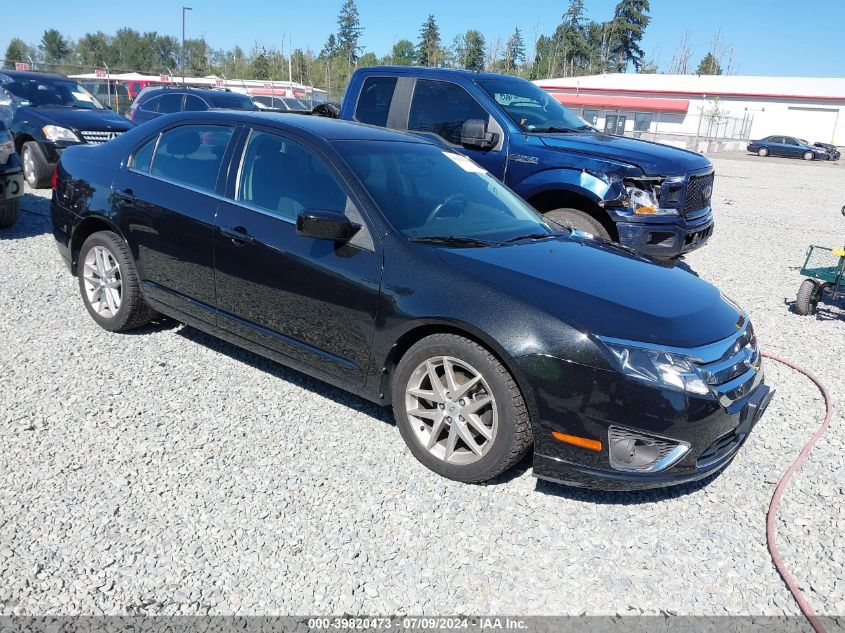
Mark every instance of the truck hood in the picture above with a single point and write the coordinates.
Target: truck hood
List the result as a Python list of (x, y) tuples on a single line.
[(600, 289), (76, 118), (653, 158)]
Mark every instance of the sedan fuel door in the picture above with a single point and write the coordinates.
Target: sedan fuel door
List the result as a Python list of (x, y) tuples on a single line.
[(313, 299)]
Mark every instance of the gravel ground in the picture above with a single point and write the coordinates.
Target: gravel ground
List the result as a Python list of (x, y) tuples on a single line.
[(168, 472)]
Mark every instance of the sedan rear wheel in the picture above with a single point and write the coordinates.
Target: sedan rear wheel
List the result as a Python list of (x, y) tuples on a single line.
[(459, 409), (108, 283), (763, 151)]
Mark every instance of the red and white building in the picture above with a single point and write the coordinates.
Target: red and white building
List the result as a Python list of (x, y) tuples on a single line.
[(692, 109)]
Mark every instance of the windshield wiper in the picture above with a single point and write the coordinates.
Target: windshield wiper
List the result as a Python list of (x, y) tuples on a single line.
[(530, 236), (450, 240)]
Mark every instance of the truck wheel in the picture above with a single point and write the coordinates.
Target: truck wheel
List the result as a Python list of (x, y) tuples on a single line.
[(459, 410), (35, 168), (109, 284), (763, 151), (808, 297), (578, 220), (9, 212), (809, 156)]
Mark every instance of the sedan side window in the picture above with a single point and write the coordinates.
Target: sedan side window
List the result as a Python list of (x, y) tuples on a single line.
[(442, 108), (143, 156), (192, 154)]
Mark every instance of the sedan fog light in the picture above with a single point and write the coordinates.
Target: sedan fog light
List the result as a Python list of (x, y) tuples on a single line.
[(633, 451)]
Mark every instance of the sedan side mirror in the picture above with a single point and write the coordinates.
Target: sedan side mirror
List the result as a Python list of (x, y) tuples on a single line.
[(474, 134), (325, 225)]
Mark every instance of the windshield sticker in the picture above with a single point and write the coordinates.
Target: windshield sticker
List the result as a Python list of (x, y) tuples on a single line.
[(465, 163), (81, 96)]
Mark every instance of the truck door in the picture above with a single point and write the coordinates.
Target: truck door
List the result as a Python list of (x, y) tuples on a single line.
[(438, 111)]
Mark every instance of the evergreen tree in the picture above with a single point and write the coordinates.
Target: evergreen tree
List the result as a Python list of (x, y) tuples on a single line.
[(54, 46), (630, 20), (514, 51), (349, 32), (330, 47), (403, 53), (429, 51), (474, 55), (15, 52), (260, 66), (709, 65)]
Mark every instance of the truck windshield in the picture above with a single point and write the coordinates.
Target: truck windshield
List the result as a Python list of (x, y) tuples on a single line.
[(531, 108), (431, 194), (52, 92)]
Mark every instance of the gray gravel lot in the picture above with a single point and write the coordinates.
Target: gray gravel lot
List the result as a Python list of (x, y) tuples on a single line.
[(168, 472)]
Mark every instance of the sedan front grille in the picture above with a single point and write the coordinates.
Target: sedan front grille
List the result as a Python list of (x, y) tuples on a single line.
[(736, 372), (98, 136), (699, 192)]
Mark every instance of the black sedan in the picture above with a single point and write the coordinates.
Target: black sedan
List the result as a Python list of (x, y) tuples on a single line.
[(407, 274), (787, 146)]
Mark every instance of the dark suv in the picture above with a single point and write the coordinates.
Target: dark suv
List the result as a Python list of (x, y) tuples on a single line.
[(154, 102), (47, 113)]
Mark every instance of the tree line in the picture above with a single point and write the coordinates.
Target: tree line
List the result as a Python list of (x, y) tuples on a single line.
[(577, 46)]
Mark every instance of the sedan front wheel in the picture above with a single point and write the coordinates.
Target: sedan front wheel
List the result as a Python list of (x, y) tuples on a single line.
[(459, 410)]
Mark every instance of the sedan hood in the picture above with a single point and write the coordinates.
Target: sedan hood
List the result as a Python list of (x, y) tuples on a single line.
[(77, 118), (653, 158), (597, 290)]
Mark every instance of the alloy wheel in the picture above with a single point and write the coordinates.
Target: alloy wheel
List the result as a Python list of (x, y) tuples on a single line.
[(103, 282), (452, 410), (28, 167)]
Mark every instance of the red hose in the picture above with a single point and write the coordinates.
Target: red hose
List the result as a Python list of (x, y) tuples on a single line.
[(771, 534)]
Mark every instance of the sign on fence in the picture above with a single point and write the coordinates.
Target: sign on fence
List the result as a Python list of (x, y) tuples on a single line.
[(101, 73), (22, 66), (165, 79), (220, 83)]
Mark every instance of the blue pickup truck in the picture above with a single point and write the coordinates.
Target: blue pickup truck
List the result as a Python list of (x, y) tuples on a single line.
[(650, 197)]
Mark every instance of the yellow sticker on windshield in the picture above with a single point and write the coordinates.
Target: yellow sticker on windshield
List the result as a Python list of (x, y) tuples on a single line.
[(465, 163)]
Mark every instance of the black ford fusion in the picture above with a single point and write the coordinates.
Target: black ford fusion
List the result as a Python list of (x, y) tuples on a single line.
[(406, 274)]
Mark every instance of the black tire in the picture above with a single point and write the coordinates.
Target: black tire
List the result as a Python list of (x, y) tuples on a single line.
[(809, 156), (808, 297), (763, 151), (37, 175), (9, 212), (578, 220), (513, 437), (133, 311)]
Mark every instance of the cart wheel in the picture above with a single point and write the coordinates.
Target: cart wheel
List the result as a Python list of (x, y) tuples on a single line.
[(808, 297)]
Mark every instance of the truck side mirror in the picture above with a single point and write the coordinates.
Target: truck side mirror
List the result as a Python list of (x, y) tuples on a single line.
[(474, 134)]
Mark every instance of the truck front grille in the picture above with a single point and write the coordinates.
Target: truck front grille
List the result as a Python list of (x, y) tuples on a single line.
[(699, 192), (97, 136)]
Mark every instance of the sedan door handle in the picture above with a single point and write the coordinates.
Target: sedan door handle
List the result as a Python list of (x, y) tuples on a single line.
[(237, 234)]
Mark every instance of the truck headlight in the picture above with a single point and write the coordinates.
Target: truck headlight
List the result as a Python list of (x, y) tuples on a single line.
[(59, 133), (7, 147), (658, 367)]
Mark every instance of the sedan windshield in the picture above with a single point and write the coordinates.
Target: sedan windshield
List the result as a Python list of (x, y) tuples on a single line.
[(429, 194), (530, 107), (48, 91)]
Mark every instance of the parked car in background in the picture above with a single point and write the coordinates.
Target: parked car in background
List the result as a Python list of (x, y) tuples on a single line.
[(833, 152), (11, 179), (787, 146), (158, 101), (652, 198), (116, 97), (401, 271), (280, 104), (48, 113)]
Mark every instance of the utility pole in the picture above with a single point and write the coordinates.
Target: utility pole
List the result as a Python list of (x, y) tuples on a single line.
[(183, 42)]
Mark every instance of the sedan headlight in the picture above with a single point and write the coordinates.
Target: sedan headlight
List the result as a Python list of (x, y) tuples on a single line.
[(59, 133), (658, 368)]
